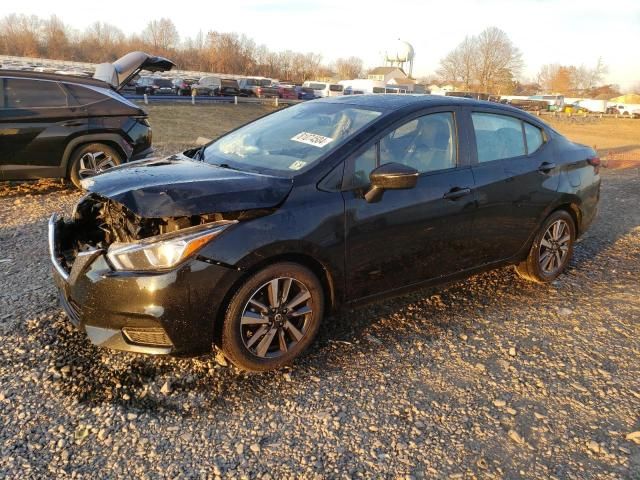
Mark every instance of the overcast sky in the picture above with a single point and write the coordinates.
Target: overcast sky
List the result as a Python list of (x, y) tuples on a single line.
[(546, 31)]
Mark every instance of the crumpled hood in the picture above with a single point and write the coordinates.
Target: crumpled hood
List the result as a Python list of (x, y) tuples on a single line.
[(179, 186)]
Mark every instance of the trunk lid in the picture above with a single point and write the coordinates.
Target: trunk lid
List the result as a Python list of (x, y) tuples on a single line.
[(120, 72)]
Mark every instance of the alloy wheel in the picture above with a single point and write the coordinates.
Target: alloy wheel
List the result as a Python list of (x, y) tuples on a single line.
[(92, 163), (276, 317), (554, 247)]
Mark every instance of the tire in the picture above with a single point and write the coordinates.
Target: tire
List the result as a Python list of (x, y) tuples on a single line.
[(92, 156), (257, 340), (551, 250)]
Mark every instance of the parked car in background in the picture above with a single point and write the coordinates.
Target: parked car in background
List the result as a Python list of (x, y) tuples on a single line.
[(155, 86), (70, 127), (247, 242), (287, 92), (324, 89), (528, 105), (129, 87), (216, 86), (305, 93), (228, 88), (632, 110), (205, 86), (258, 87), (182, 86)]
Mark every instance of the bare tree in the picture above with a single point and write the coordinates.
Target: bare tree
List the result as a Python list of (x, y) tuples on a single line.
[(54, 36), (459, 66), (20, 35), (349, 68), (488, 61), (497, 58), (161, 34)]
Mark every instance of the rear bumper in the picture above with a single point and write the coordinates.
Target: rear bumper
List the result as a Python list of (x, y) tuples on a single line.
[(148, 152), (154, 313)]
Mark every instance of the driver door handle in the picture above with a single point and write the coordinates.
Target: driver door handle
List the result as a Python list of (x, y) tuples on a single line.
[(456, 193)]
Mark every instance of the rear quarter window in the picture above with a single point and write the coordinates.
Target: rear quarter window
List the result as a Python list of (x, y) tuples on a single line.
[(83, 95), (534, 137)]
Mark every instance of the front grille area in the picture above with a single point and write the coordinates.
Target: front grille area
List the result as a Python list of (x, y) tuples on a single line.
[(147, 336)]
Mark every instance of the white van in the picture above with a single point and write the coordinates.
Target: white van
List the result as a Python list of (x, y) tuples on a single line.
[(324, 89)]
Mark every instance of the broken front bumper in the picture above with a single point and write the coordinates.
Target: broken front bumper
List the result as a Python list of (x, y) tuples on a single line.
[(171, 312)]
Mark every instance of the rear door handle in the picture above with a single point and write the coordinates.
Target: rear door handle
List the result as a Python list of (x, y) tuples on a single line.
[(546, 167), (456, 193)]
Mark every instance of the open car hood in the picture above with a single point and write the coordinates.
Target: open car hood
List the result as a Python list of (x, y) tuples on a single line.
[(120, 72), (179, 186)]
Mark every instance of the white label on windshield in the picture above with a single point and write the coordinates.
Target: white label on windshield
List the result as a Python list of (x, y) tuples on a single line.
[(297, 165), (312, 139)]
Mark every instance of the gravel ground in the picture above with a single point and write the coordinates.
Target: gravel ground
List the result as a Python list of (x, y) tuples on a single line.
[(490, 377)]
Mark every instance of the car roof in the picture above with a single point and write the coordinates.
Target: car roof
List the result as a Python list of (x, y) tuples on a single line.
[(397, 101), (54, 77)]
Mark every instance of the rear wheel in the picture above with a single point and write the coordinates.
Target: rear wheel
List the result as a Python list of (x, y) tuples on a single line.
[(91, 159), (273, 317), (551, 250)]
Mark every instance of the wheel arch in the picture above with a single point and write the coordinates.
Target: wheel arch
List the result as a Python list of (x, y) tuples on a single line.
[(319, 269), (112, 140), (572, 209)]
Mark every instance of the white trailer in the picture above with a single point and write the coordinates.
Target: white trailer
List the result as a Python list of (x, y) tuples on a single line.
[(596, 106)]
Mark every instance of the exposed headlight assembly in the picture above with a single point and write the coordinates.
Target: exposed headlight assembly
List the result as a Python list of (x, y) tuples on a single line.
[(165, 251)]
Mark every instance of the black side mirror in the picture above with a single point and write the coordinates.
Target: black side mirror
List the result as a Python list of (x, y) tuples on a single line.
[(390, 176)]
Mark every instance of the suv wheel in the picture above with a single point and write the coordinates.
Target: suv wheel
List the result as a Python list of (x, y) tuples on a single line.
[(91, 159), (551, 249), (273, 317)]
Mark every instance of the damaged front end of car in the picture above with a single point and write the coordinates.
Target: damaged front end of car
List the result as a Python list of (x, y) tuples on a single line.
[(134, 243), (123, 278)]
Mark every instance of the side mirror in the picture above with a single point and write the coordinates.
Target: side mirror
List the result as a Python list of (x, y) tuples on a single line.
[(390, 176)]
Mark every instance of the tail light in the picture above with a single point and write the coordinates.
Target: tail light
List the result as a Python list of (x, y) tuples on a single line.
[(259, 91), (595, 163)]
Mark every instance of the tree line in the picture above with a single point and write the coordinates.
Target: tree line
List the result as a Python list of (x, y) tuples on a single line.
[(220, 52), (487, 62), (490, 63)]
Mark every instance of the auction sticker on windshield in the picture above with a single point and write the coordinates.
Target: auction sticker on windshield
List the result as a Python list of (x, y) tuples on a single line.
[(312, 139)]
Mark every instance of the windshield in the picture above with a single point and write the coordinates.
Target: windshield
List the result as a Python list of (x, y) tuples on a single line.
[(290, 140)]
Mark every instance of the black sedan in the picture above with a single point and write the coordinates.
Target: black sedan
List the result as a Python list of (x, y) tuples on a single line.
[(247, 242)]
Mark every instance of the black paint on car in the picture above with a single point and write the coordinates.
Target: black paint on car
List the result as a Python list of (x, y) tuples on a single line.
[(249, 241)]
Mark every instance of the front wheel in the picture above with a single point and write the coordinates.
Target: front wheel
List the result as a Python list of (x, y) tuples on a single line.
[(273, 317), (551, 250)]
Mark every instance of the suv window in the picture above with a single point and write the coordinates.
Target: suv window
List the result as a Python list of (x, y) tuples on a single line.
[(426, 143), (83, 95), (22, 93), (497, 136), (534, 137)]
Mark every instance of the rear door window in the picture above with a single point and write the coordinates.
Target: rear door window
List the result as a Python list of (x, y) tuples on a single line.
[(497, 136), (24, 93)]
